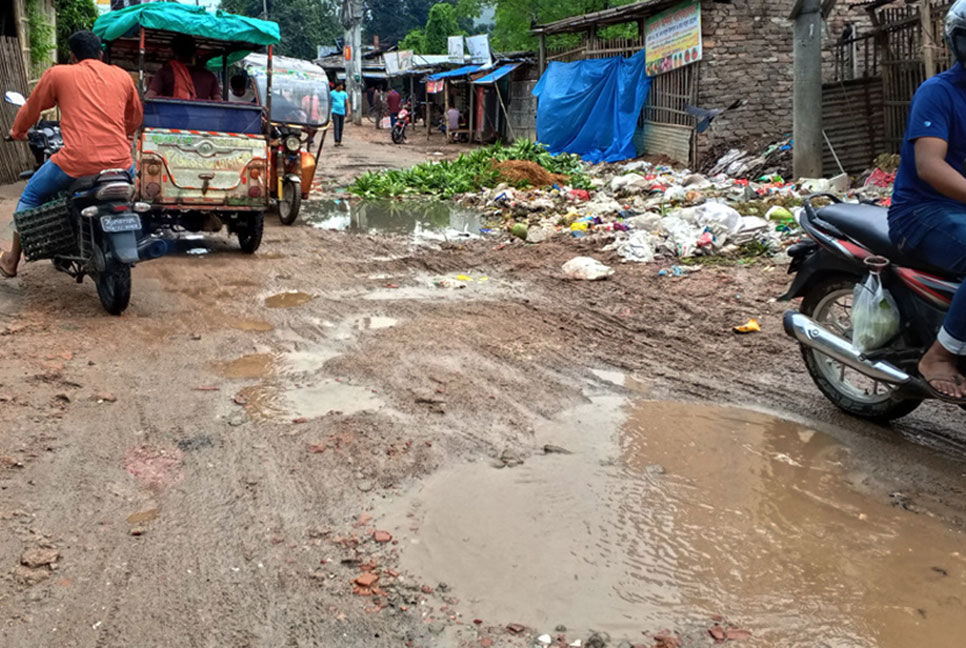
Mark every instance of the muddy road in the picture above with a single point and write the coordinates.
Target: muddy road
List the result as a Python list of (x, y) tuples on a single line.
[(368, 440)]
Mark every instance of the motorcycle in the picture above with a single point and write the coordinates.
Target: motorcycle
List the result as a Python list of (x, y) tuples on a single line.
[(399, 130), (93, 229), (847, 241)]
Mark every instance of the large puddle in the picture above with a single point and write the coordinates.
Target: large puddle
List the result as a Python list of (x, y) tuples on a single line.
[(425, 219), (685, 513)]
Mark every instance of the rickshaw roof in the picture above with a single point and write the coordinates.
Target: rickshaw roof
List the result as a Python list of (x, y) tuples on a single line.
[(186, 19), (282, 65)]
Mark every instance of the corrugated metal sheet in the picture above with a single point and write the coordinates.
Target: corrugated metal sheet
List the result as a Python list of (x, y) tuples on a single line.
[(671, 140), (853, 119)]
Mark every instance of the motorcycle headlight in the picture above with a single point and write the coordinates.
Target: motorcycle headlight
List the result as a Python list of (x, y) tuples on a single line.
[(293, 143)]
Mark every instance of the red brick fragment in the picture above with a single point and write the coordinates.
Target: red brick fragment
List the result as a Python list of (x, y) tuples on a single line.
[(367, 579), (382, 536)]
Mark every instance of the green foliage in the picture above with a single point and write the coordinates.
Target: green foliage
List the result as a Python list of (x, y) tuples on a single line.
[(468, 173), (40, 36), (440, 26), (304, 24), (513, 19), (72, 16), (393, 20), (415, 40)]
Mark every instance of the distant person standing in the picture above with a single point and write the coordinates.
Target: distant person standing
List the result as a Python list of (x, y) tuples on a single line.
[(340, 110), (379, 106), (393, 103), (452, 122)]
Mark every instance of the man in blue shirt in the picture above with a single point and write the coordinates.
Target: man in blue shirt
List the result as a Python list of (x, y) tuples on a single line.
[(340, 110), (928, 214)]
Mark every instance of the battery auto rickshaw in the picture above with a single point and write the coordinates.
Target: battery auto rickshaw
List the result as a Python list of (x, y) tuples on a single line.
[(202, 165), (300, 109)]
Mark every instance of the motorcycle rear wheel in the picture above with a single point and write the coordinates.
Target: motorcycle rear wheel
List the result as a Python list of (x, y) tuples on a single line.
[(114, 287), (829, 303)]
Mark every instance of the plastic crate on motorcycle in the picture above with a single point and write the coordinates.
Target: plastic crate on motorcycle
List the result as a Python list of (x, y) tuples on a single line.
[(46, 231)]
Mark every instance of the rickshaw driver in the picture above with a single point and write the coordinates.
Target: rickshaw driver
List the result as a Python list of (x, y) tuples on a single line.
[(182, 78)]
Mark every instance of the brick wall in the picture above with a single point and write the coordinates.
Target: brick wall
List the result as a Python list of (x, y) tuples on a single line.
[(747, 54)]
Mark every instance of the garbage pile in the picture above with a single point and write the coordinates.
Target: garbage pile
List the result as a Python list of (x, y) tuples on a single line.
[(643, 210)]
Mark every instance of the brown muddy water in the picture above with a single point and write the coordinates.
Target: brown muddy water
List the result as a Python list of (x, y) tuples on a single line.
[(289, 299), (668, 514)]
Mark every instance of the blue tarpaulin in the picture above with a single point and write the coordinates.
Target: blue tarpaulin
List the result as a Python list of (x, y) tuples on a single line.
[(463, 71), (591, 107), (497, 74)]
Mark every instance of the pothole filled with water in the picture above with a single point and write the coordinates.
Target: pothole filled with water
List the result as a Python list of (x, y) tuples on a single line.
[(425, 219), (667, 515)]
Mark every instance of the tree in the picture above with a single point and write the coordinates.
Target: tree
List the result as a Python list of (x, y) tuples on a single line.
[(72, 16), (415, 40), (394, 20), (304, 24), (439, 27)]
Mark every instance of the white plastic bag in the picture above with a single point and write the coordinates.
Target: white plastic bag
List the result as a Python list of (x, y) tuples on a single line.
[(587, 268), (875, 316)]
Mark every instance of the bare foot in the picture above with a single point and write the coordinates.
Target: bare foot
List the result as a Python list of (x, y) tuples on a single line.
[(940, 369), (8, 265)]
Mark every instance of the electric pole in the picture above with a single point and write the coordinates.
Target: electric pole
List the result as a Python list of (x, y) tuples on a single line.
[(352, 22), (807, 100)]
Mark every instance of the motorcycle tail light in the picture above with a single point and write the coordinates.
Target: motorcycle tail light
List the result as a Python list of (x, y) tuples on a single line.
[(255, 192), (115, 191)]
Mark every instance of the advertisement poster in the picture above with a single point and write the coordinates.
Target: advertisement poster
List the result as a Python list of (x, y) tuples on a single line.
[(455, 49), (672, 38), (479, 47), (398, 62)]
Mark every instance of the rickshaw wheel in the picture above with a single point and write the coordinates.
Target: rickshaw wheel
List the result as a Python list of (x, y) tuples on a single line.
[(250, 237), (290, 203)]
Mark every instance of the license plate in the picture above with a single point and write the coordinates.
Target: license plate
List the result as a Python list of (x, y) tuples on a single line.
[(126, 223)]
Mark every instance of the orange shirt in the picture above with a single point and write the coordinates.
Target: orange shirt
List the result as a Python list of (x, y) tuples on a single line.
[(100, 110)]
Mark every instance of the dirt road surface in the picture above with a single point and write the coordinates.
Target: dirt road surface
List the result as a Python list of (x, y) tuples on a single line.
[(213, 470)]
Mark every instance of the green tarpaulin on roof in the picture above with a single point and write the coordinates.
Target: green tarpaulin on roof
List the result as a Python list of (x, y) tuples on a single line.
[(185, 19)]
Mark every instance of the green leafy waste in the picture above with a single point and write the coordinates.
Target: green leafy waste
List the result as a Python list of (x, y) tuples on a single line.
[(469, 172)]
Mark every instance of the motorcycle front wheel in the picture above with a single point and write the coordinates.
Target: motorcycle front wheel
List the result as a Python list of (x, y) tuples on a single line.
[(398, 135), (829, 303), (289, 203), (114, 287)]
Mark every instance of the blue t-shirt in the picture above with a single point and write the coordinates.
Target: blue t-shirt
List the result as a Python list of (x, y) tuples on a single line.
[(339, 97), (938, 110)]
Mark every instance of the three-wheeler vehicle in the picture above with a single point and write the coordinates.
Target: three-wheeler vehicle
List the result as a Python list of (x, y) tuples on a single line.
[(202, 164), (300, 110)]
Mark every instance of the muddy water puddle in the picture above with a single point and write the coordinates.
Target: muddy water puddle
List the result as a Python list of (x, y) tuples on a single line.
[(423, 219), (255, 365), (251, 325), (668, 514), (288, 299), (329, 396)]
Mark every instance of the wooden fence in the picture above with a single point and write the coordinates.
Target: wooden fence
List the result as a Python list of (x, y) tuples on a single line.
[(15, 156)]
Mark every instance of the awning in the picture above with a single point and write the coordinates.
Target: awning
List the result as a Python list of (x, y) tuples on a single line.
[(497, 74), (463, 71)]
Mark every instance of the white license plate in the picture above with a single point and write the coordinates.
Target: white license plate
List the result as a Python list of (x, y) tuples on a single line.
[(126, 223)]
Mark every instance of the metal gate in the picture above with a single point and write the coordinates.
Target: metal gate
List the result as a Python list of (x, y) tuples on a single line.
[(665, 127)]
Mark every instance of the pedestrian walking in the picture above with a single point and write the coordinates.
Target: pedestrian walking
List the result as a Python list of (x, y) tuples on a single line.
[(340, 111)]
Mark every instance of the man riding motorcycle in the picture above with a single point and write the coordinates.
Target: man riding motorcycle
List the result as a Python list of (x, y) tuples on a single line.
[(100, 112), (928, 214)]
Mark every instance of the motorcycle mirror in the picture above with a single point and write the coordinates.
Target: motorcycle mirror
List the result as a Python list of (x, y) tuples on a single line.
[(15, 98)]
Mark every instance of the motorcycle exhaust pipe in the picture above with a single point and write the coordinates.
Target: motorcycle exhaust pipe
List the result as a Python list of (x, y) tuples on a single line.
[(152, 248), (814, 335)]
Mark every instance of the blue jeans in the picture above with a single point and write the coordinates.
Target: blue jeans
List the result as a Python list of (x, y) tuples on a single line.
[(392, 119), (937, 232), (48, 180)]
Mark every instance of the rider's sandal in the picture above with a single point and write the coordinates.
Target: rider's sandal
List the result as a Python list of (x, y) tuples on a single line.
[(941, 395), (4, 273)]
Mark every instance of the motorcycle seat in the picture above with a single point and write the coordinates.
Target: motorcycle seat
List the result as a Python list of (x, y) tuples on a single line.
[(85, 183), (868, 225)]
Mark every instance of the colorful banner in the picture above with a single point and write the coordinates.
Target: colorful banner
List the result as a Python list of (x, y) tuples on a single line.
[(435, 87), (673, 38)]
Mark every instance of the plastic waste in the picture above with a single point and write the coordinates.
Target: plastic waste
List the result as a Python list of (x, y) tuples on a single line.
[(638, 246), (751, 326), (875, 315), (586, 268)]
